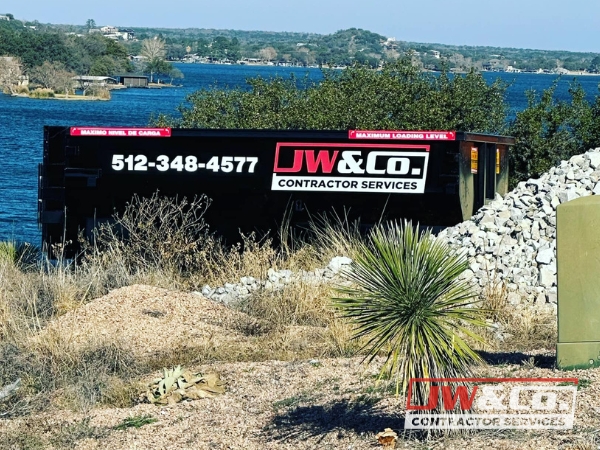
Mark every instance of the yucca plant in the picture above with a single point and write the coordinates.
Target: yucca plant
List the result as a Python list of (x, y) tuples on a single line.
[(407, 302)]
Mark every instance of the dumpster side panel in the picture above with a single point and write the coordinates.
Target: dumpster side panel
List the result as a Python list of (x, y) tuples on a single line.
[(253, 178)]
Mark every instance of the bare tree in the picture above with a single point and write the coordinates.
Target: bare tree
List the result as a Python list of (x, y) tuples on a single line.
[(46, 74), (153, 48), (10, 73), (64, 81), (53, 76), (268, 53)]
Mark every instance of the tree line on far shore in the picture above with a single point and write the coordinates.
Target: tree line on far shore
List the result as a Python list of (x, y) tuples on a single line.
[(49, 58)]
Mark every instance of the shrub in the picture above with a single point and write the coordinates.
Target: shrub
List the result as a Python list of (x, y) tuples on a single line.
[(41, 93), (407, 301), (398, 97), (98, 92), (103, 94), (549, 131), (402, 97), (158, 232), (166, 241)]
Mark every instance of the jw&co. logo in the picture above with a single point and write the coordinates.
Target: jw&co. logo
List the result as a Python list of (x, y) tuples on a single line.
[(393, 168), (491, 403)]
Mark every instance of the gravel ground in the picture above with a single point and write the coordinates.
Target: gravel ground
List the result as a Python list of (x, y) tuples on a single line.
[(318, 403)]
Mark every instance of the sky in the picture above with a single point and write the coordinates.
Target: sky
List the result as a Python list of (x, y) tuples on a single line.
[(538, 24)]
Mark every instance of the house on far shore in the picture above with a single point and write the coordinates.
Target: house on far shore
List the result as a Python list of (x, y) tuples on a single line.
[(109, 29), (132, 80), (86, 80), (493, 65), (251, 61), (512, 69)]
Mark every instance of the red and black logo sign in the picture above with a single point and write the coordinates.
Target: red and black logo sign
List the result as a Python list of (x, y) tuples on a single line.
[(393, 168)]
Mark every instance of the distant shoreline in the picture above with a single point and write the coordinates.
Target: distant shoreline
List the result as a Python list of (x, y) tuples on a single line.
[(254, 64), (63, 97), (78, 97)]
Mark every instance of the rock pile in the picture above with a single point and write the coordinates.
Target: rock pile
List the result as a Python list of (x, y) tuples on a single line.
[(276, 279), (513, 239)]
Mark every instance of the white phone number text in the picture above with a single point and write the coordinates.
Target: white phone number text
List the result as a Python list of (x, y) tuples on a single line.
[(180, 163)]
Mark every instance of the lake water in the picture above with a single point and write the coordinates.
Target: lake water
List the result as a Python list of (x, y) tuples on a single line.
[(22, 121)]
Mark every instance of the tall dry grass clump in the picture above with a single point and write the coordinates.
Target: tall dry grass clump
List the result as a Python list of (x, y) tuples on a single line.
[(32, 291), (326, 236), (30, 297), (296, 321), (101, 93), (299, 303), (41, 93), (512, 327)]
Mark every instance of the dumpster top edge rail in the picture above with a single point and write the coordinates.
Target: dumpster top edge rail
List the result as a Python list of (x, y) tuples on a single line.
[(333, 134)]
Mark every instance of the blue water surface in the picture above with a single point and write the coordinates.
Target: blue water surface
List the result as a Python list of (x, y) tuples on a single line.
[(22, 121)]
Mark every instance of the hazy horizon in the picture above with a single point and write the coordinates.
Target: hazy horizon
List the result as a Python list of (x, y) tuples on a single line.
[(534, 24)]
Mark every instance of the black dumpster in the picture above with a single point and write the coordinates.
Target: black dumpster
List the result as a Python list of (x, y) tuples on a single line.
[(438, 178)]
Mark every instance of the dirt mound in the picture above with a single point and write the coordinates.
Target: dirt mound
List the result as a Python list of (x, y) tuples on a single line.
[(146, 320)]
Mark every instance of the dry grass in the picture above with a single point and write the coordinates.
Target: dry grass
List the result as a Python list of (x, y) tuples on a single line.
[(90, 356), (54, 370), (41, 93), (522, 328), (529, 330), (513, 328), (299, 303), (165, 243), (328, 235), (494, 298), (22, 90), (298, 321)]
